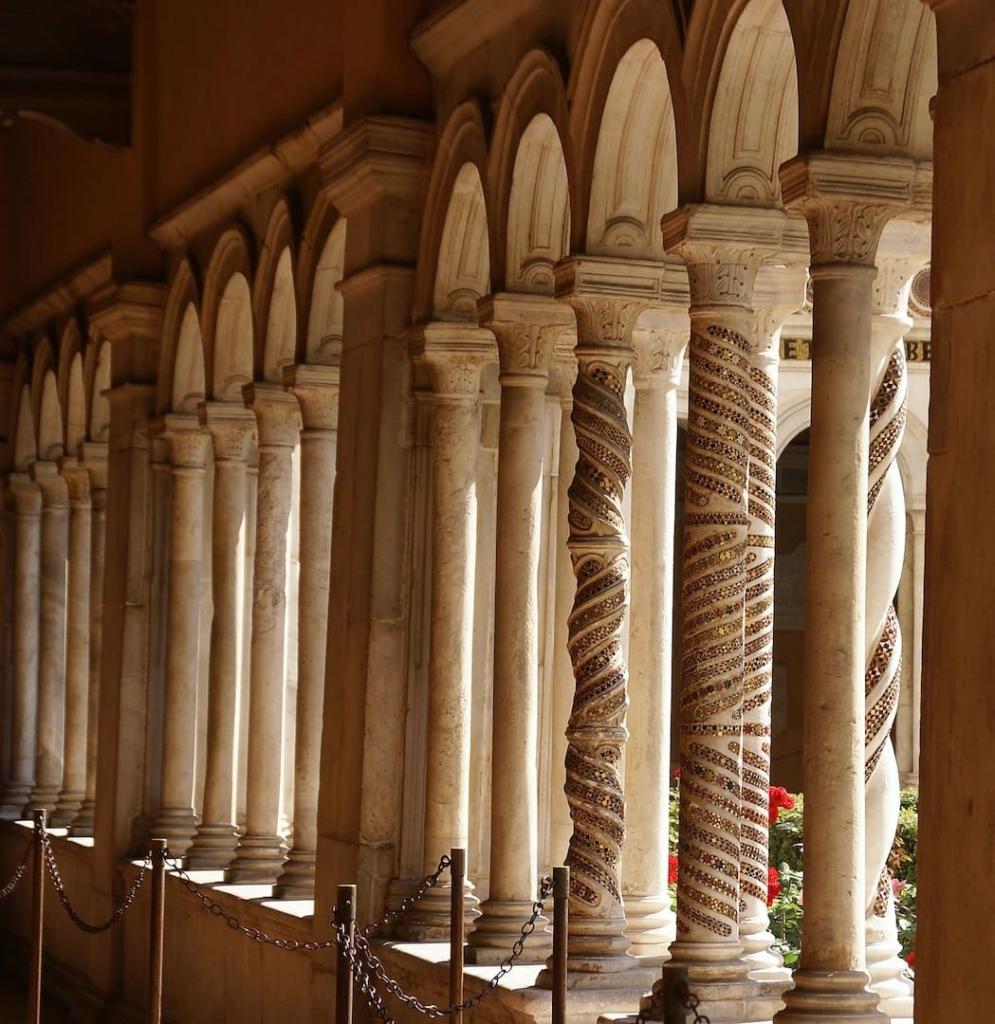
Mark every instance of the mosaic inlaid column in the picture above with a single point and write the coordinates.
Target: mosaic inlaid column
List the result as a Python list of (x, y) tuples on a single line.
[(188, 448), (656, 373), (51, 635), (231, 429), (831, 981), (77, 643), (95, 463), (526, 328), (779, 291), (24, 647), (261, 849), (721, 277), (882, 682), (599, 551), (317, 391), (454, 355)]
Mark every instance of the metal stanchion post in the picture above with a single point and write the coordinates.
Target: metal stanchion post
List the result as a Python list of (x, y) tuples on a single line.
[(157, 919), (561, 901), (345, 914), (457, 872), (37, 918)]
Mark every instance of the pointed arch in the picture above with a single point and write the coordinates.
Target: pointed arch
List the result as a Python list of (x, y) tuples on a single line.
[(75, 407), (274, 297), (180, 320), (609, 31), (99, 427), (226, 316), (635, 167), (463, 270), (753, 125), (534, 98), (25, 448), (189, 386), (50, 429), (463, 142), (885, 75)]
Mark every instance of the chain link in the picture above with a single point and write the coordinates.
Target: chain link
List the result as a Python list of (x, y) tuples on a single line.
[(691, 1002), (16, 877), (367, 968), (428, 882), (60, 890)]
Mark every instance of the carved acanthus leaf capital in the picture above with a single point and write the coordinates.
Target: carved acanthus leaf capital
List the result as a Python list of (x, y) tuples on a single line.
[(890, 295), (659, 356), (527, 329), (317, 390), (232, 429), (605, 321), (278, 414), (77, 482), (455, 353), (187, 443)]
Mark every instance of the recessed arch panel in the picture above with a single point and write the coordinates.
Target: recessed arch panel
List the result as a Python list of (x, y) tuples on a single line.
[(463, 270), (100, 406), (281, 323), (75, 407), (325, 316), (189, 388), (50, 436), (635, 167), (233, 340), (25, 449)]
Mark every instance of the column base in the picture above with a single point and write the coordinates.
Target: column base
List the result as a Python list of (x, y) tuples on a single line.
[(14, 801), (498, 928), (82, 824), (633, 980), (428, 919), (176, 827), (258, 859), (761, 961), (44, 798), (213, 847), (66, 809), (297, 880), (886, 968), (599, 946), (830, 997), (714, 973), (651, 927)]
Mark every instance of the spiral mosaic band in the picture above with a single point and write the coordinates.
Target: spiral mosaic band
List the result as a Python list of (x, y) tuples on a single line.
[(759, 643), (716, 525), (599, 553)]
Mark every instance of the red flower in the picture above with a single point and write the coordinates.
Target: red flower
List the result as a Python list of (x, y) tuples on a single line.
[(677, 772), (773, 885), (911, 959), (779, 798), (672, 869)]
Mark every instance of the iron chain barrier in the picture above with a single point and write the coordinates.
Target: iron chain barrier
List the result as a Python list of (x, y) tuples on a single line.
[(18, 874)]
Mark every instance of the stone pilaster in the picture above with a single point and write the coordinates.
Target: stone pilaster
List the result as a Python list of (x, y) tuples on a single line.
[(455, 355), (261, 849), (656, 372), (847, 204), (188, 449), (527, 329), (51, 635), (231, 429), (317, 391), (77, 642), (24, 648), (95, 464)]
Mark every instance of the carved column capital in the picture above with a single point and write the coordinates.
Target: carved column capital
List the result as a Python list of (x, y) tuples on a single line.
[(232, 428), (659, 355), (77, 482), (847, 202), (779, 292), (187, 443), (455, 353), (278, 414), (26, 494), (54, 492), (316, 388), (527, 329)]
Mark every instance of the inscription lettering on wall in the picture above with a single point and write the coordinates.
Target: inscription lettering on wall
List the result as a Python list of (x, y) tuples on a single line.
[(800, 349)]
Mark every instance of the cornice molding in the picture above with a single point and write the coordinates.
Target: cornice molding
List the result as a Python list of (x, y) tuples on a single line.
[(129, 311), (269, 167), (61, 297)]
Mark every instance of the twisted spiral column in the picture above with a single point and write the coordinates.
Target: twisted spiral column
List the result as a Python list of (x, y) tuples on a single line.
[(885, 558)]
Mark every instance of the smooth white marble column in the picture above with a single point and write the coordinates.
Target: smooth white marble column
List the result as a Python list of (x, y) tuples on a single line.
[(188, 448), (232, 430), (261, 849), (656, 372), (77, 643), (317, 391), (455, 354), (527, 329), (51, 635), (24, 648), (831, 982), (95, 463)]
